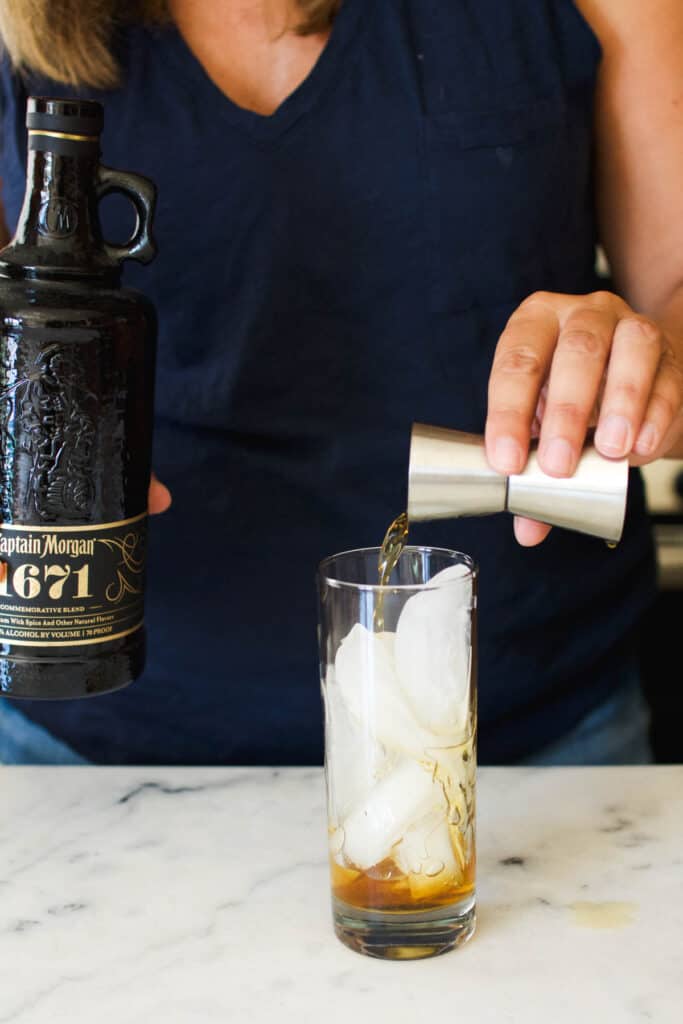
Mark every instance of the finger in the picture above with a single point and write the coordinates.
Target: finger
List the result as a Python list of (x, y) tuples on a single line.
[(578, 365), (636, 353), (540, 410), (663, 413), (529, 533), (159, 498), (520, 366)]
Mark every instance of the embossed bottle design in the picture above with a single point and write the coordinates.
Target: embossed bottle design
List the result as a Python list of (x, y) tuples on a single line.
[(76, 397)]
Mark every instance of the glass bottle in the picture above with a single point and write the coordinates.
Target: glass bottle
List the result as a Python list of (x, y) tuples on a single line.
[(77, 354)]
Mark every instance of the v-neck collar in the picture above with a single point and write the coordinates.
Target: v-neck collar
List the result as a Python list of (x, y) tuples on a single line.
[(321, 77)]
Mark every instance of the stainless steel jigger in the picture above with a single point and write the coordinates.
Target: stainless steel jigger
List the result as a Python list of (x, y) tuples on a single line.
[(449, 476)]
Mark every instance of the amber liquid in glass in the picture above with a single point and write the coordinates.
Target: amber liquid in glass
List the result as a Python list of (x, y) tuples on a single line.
[(423, 878)]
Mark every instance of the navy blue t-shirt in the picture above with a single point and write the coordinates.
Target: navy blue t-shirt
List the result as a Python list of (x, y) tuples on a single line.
[(326, 276)]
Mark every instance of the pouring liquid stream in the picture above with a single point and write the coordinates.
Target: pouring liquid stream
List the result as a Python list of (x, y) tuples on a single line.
[(390, 552)]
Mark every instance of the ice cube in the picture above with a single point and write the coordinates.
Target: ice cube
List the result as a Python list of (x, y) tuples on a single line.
[(433, 653), (430, 882), (355, 759), (366, 676), (375, 825), (426, 846), (426, 855)]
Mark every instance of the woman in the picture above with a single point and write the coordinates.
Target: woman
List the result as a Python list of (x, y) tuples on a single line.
[(372, 214)]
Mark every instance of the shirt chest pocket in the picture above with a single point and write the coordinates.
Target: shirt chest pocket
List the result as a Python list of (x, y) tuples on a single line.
[(503, 191)]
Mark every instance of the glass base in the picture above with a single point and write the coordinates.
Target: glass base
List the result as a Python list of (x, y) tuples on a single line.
[(399, 935)]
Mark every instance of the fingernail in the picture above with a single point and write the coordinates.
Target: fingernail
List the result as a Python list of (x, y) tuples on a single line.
[(558, 457), (613, 435), (647, 440), (508, 456)]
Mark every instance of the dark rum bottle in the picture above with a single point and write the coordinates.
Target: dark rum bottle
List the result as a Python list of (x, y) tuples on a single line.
[(77, 358)]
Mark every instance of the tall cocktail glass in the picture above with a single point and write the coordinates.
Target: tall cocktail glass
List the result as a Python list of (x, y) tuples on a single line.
[(398, 675)]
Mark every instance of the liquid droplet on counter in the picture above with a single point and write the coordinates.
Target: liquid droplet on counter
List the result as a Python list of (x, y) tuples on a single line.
[(588, 914)]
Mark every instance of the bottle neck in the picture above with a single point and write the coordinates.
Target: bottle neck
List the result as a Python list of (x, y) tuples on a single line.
[(59, 232)]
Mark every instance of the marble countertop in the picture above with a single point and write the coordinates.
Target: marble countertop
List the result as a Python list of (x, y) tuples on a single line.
[(137, 896)]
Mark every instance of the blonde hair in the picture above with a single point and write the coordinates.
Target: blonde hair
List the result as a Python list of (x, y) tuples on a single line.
[(70, 41)]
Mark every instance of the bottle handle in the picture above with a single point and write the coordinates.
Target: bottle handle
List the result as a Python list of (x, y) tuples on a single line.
[(142, 193)]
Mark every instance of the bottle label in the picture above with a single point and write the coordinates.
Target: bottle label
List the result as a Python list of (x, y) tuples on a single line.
[(68, 586)]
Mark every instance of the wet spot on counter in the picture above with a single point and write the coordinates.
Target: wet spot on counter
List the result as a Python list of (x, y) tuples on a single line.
[(603, 916)]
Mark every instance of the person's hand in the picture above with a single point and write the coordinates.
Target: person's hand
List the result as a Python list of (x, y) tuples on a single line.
[(159, 496), (566, 362)]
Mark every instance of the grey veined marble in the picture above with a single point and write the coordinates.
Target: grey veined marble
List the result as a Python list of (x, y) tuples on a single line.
[(137, 896)]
